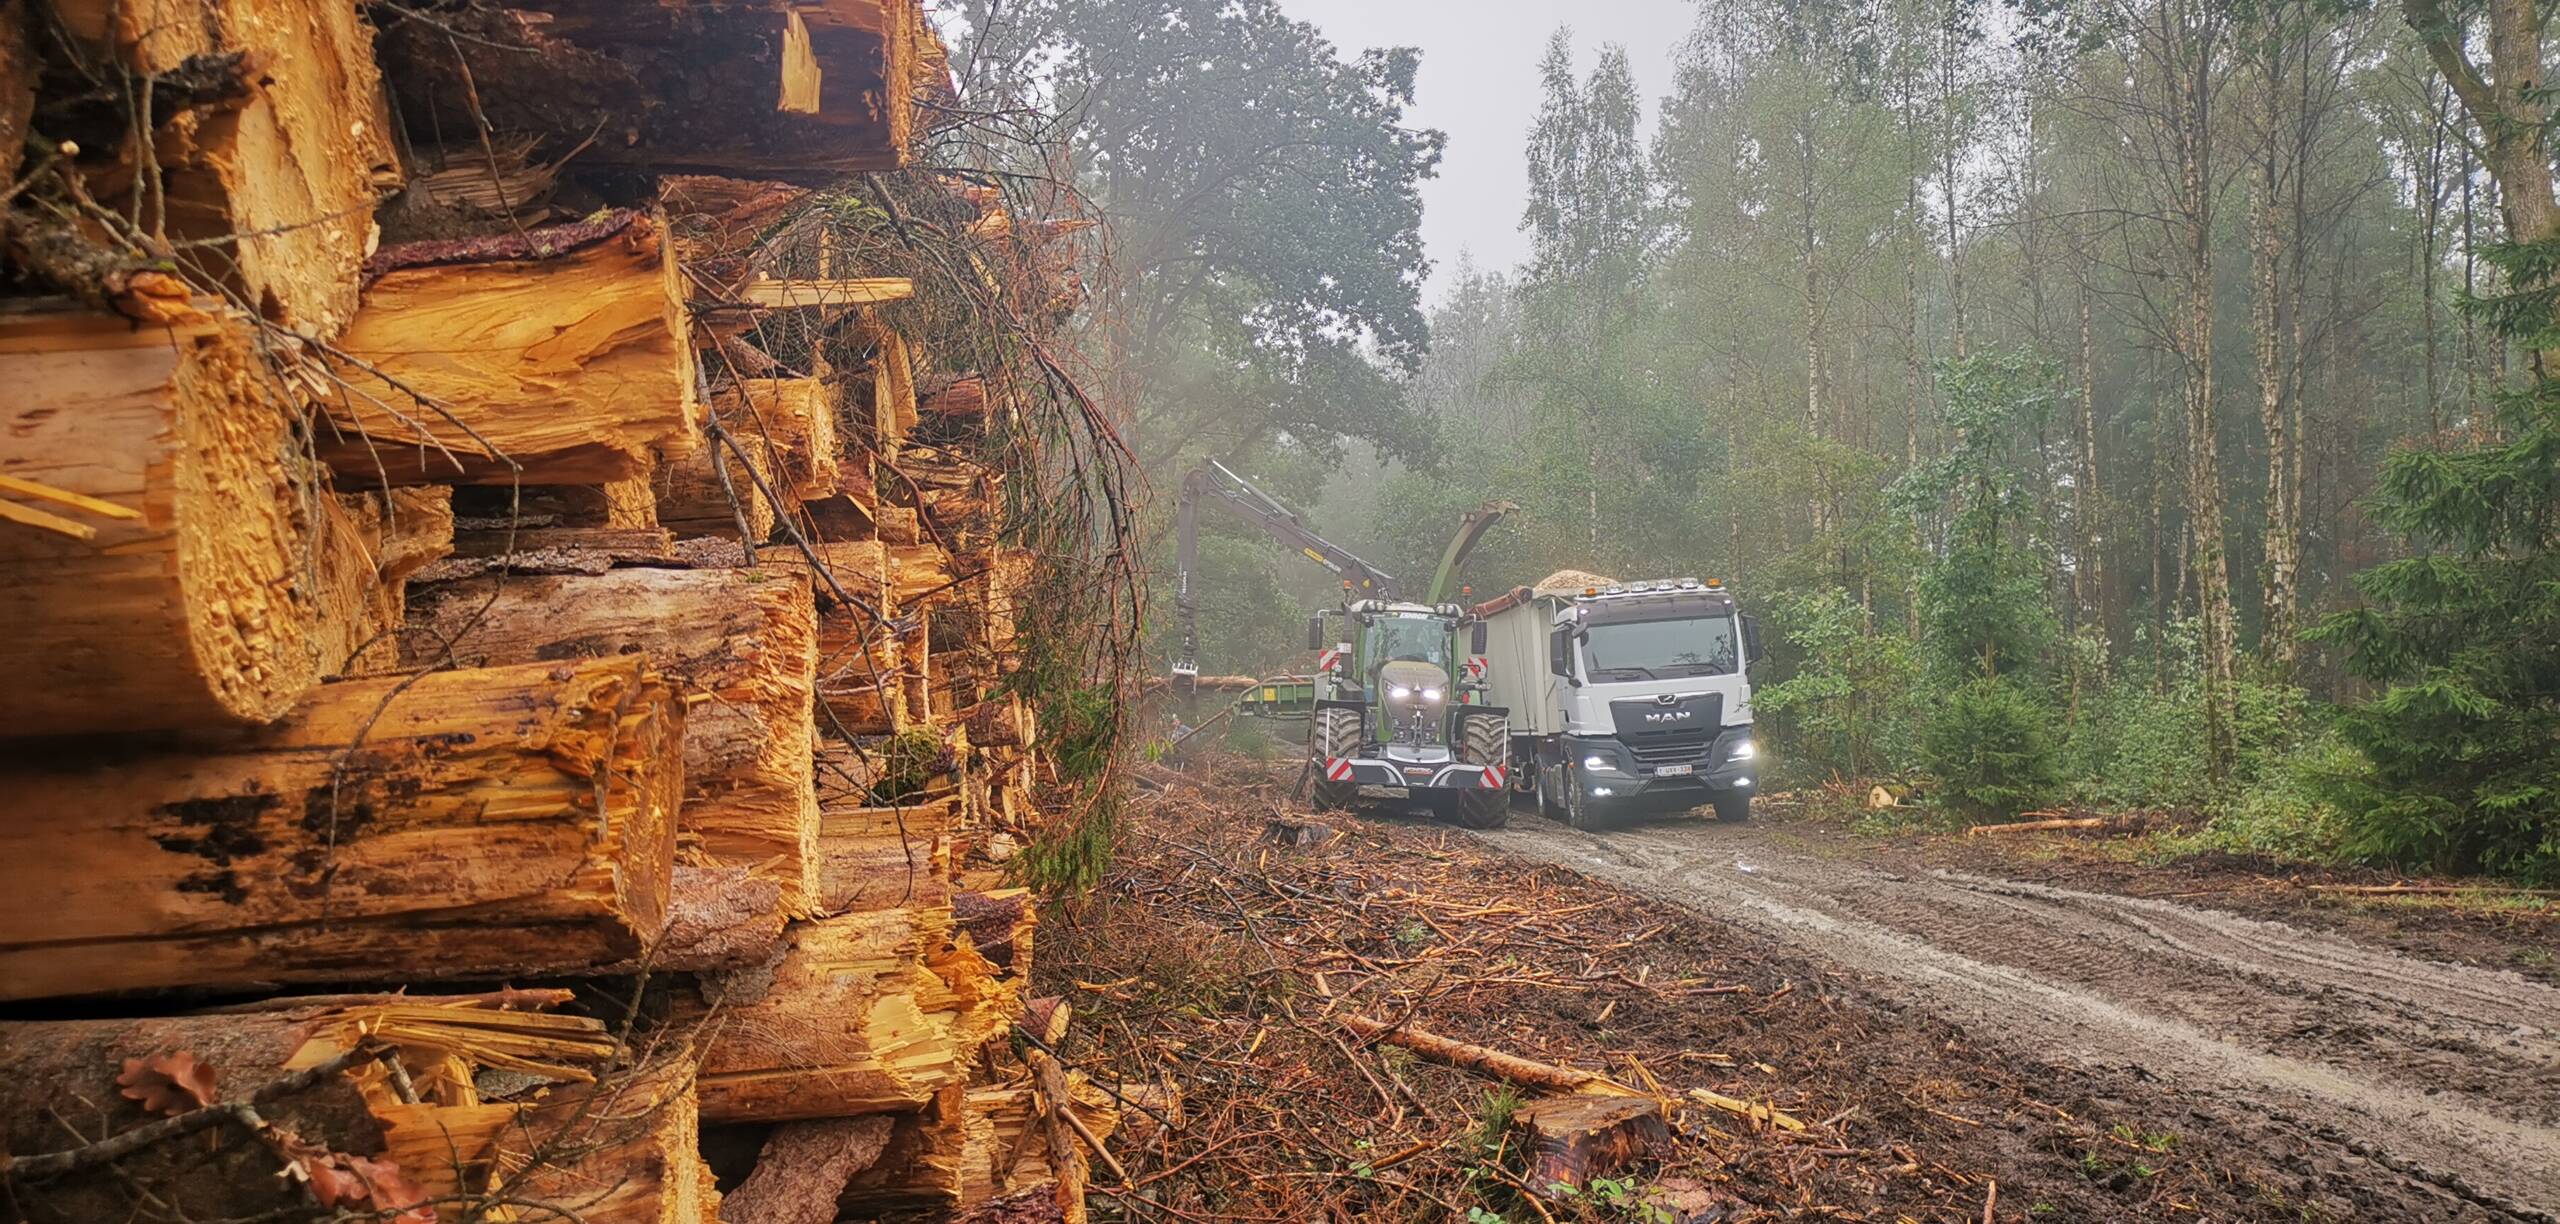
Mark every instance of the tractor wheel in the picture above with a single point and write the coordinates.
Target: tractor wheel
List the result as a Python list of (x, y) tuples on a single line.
[(1334, 734), (1484, 739)]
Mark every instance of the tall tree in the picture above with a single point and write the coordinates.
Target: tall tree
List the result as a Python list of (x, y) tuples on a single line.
[(1265, 198), (1588, 217)]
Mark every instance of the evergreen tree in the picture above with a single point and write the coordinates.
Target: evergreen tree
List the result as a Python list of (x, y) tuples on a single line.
[(2464, 744)]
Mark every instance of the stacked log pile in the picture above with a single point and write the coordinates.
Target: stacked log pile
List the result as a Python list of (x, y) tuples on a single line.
[(463, 523)]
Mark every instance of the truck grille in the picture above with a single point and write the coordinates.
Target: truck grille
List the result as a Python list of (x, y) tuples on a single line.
[(1659, 733), (1671, 748)]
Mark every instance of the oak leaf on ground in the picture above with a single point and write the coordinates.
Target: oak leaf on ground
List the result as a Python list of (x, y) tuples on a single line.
[(169, 1084)]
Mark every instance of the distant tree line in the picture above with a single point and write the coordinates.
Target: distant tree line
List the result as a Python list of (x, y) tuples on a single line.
[(2130, 402)]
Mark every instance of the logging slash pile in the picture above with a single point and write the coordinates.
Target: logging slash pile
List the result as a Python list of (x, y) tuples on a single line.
[(1376, 1020), (519, 534)]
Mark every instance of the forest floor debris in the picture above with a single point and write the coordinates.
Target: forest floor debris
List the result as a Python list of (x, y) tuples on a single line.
[(1247, 950)]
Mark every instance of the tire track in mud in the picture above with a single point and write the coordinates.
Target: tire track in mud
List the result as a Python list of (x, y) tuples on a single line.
[(2443, 1072)]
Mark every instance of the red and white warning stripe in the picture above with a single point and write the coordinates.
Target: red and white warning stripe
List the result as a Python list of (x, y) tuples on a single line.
[(1495, 776), (1475, 667), (1329, 659), (1337, 769)]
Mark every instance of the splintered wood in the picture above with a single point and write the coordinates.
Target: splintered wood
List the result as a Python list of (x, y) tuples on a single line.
[(285, 181), (491, 820), (739, 648), (397, 1099), (190, 601), (453, 530), (565, 364)]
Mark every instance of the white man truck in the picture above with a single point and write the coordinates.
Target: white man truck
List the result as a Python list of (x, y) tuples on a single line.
[(1625, 696)]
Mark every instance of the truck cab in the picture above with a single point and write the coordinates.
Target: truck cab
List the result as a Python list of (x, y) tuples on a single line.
[(1628, 696)]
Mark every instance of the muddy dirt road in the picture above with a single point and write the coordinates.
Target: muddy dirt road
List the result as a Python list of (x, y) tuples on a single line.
[(2447, 1073)]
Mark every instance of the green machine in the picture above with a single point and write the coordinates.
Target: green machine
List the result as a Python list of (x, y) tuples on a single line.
[(1396, 707)]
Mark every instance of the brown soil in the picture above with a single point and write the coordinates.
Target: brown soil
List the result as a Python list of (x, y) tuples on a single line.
[(2460, 928), (1217, 951)]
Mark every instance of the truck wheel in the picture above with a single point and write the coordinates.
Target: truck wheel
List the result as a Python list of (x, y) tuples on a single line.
[(1581, 810), (1335, 734), (1551, 778), (1733, 805), (1484, 739)]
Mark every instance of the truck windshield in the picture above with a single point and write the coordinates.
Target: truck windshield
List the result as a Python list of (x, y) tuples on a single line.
[(1659, 650), (1417, 639)]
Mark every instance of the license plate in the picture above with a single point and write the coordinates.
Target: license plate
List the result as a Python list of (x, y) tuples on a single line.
[(1671, 771)]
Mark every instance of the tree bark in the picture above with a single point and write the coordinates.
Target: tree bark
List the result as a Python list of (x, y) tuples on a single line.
[(1574, 1138), (805, 93), (2268, 242), (2505, 106), (803, 1169), (2190, 37), (18, 70)]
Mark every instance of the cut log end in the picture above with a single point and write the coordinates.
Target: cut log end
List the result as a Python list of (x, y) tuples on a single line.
[(202, 609)]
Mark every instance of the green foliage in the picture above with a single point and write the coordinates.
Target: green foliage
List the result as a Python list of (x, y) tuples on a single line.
[(1072, 854), (2463, 748), (1265, 191), (1990, 745), (1493, 1118), (1081, 719), (2287, 812), (2134, 747), (1085, 730), (911, 760), (1845, 706), (1986, 605)]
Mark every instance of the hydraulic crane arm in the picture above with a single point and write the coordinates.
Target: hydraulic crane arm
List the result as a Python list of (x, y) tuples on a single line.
[(1213, 483)]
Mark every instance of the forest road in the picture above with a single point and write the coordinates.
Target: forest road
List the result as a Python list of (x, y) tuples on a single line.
[(2446, 1073)]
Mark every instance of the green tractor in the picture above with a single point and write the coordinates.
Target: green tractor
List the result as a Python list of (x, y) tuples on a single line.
[(1400, 712), (1395, 710)]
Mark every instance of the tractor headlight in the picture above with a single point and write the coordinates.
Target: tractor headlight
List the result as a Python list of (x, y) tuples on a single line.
[(1431, 694), (1399, 692)]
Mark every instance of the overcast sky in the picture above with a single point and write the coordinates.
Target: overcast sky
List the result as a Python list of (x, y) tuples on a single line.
[(1479, 84)]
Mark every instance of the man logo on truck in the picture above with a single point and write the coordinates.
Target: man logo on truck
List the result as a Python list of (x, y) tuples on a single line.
[(1673, 716)]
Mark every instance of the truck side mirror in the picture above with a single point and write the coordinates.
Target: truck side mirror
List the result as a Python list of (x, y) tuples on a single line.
[(1315, 632), (1476, 638), (1560, 653), (1752, 651)]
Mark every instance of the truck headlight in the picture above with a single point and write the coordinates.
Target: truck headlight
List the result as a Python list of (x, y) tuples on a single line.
[(1595, 762), (1745, 750)]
